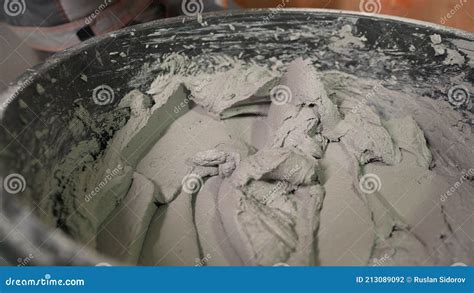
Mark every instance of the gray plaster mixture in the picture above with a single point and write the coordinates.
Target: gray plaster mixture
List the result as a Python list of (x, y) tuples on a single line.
[(253, 165)]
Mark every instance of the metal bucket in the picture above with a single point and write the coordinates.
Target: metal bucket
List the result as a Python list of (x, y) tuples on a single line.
[(52, 89)]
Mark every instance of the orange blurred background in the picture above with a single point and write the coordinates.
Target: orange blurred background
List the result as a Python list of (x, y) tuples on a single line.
[(436, 11)]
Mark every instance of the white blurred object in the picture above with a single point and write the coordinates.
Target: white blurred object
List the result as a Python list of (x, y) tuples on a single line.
[(15, 57)]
